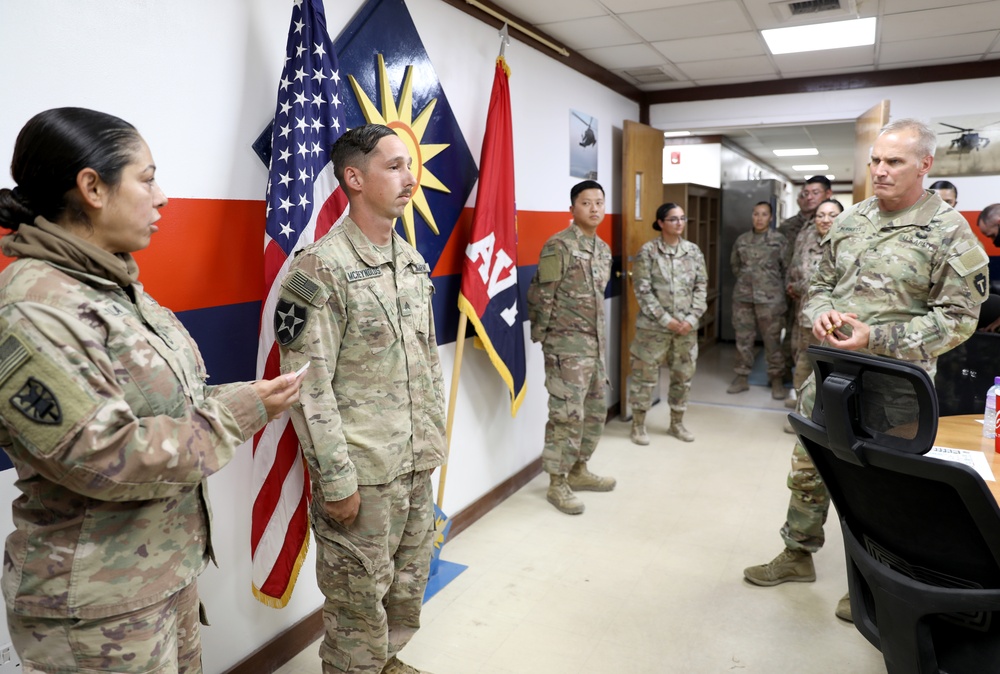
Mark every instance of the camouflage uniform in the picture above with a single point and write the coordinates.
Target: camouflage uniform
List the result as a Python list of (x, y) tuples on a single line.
[(669, 282), (805, 260), (566, 310), (918, 286), (105, 414), (792, 227), (370, 418), (758, 262)]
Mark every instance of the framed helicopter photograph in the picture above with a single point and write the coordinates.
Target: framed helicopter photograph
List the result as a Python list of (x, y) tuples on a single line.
[(967, 145), (582, 145)]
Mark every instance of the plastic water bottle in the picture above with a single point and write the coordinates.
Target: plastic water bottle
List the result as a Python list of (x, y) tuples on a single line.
[(990, 415)]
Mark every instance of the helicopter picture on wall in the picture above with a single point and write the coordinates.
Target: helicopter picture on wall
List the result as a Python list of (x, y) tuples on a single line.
[(582, 145), (966, 145)]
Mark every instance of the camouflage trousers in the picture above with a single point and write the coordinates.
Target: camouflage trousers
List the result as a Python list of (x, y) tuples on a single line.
[(577, 411), (160, 639), (650, 349), (748, 317), (802, 339), (373, 574), (810, 501)]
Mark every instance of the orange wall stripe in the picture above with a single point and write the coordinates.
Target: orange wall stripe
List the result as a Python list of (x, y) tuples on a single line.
[(533, 230), (210, 252)]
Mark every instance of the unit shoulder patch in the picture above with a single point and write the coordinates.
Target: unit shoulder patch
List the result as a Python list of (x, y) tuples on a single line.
[(289, 321), (37, 402)]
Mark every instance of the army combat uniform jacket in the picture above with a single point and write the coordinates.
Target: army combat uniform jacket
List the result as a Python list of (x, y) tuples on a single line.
[(805, 259), (371, 406), (105, 413), (759, 261), (669, 284), (917, 280), (566, 295)]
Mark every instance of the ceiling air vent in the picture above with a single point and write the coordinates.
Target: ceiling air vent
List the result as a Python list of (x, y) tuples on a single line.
[(651, 75), (798, 10)]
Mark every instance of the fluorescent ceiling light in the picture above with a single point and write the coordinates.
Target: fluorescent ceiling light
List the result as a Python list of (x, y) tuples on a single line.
[(830, 176), (800, 152), (810, 167), (820, 36), (675, 134)]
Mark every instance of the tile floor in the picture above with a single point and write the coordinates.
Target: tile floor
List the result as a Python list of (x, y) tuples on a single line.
[(649, 580)]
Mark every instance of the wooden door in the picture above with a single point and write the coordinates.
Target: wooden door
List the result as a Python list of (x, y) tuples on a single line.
[(866, 128), (642, 194)]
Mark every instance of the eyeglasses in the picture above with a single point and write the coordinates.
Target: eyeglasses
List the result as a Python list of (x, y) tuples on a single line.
[(674, 221)]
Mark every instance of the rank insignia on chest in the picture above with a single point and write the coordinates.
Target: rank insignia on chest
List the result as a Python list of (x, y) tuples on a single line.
[(35, 401), (404, 308), (289, 321)]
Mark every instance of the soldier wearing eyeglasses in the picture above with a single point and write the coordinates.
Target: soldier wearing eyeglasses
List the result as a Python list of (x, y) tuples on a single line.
[(670, 284)]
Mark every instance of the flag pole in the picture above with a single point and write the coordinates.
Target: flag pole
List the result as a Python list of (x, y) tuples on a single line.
[(463, 321)]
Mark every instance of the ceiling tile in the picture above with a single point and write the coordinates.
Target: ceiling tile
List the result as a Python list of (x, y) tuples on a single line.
[(754, 65), (831, 60), (711, 48), (628, 56), (971, 44), (538, 13), (599, 31), (622, 6), (903, 6), (704, 18), (763, 15), (938, 22)]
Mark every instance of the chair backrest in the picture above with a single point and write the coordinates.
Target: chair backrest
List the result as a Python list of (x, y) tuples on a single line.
[(930, 521)]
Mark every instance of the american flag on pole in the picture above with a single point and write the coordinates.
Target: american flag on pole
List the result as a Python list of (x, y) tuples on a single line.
[(303, 203), (490, 296)]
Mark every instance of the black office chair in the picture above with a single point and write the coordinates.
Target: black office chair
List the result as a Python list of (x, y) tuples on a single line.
[(922, 535)]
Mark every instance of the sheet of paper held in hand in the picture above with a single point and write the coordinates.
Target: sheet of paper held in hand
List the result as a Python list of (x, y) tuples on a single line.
[(975, 460)]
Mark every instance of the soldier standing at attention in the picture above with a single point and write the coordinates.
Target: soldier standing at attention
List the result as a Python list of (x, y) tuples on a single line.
[(566, 310), (758, 262), (901, 275), (356, 306), (670, 283), (104, 412)]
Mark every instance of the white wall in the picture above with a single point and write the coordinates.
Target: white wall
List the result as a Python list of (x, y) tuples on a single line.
[(199, 79), (923, 101)]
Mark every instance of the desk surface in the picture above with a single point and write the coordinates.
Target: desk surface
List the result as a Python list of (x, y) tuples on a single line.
[(964, 431)]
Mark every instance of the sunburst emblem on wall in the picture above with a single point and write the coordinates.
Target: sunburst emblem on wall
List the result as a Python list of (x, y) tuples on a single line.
[(411, 131)]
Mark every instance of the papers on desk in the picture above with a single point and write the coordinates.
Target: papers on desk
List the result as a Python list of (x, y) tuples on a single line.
[(975, 460)]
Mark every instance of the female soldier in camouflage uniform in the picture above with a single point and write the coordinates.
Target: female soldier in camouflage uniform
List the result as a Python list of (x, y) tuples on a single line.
[(805, 259), (104, 412), (670, 282)]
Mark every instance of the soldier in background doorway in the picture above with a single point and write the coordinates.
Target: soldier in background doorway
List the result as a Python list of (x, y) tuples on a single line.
[(758, 260)]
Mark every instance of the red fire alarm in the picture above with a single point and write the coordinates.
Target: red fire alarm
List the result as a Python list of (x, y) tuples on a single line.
[(675, 157)]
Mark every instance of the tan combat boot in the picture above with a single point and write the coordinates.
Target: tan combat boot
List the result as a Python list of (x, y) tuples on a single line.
[(739, 385), (844, 608), (677, 427), (792, 400), (639, 436), (562, 497), (790, 565), (581, 479), (778, 391), (397, 666)]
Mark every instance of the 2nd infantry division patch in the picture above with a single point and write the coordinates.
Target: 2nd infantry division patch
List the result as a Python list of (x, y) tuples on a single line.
[(289, 321), (35, 401)]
